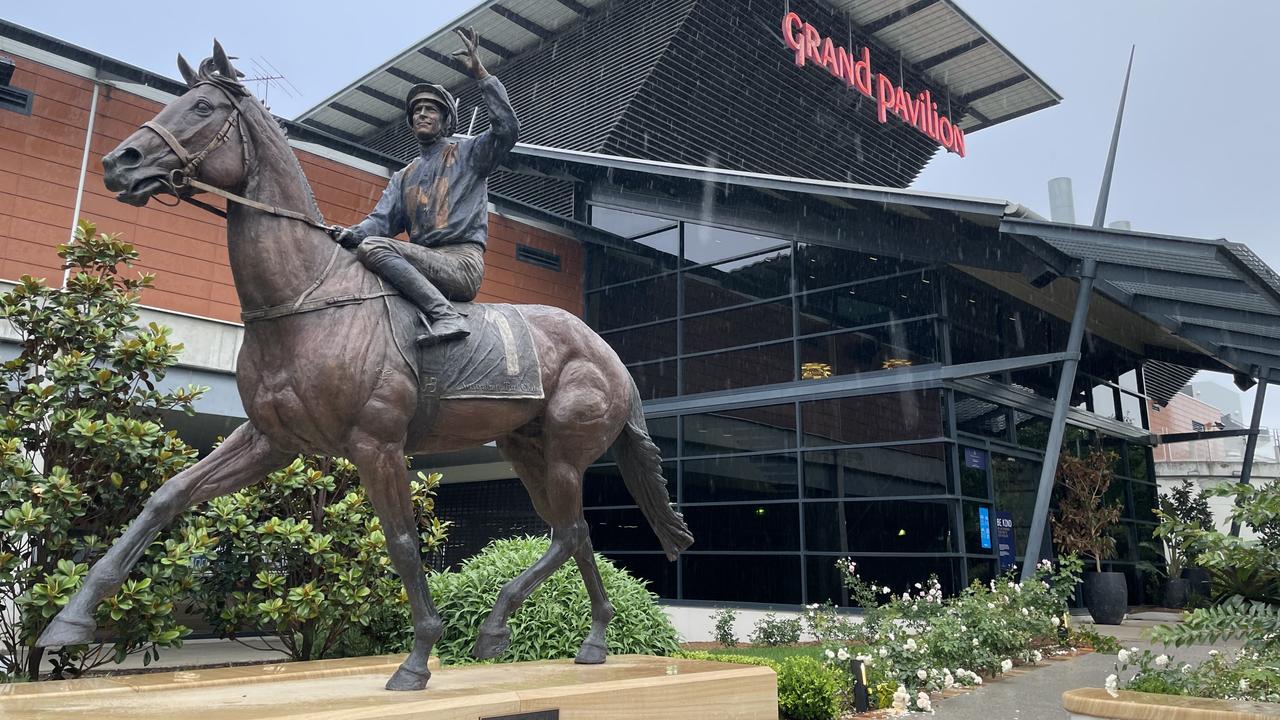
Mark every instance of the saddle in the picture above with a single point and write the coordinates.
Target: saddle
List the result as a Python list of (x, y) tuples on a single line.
[(498, 360)]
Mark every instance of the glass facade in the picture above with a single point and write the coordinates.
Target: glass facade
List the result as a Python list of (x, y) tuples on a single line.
[(908, 477)]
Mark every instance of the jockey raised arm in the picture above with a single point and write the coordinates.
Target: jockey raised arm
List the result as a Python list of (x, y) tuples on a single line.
[(441, 199)]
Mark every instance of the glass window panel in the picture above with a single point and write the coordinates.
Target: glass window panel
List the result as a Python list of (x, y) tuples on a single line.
[(876, 472), (764, 365), (1041, 381), (1016, 481), (656, 570), (648, 256), (620, 529), (632, 304), (899, 573), (741, 326), (1031, 431), (981, 571), (1117, 448), (1129, 380), (881, 348), (742, 578), (886, 417), (1131, 409), (774, 526), (626, 223), (978, 416), (1104, 401), (772, 427), (973, 471), (819, 266), (643, 343), (754, 477), (1138, 461), (906, 526), (744, 280), (868, 303), (1144, 501), (602, 485), (655, 380), (708, 244)]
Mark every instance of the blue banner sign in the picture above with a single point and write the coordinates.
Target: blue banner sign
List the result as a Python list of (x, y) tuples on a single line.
[(1004, 539), (984, 527)]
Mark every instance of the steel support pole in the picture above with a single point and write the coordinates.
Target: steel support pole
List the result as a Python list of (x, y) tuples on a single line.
[(1066, 383), (1251, 445)]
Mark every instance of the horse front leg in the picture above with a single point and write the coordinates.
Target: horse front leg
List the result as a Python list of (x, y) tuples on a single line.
[(382, 473), (243, 459)]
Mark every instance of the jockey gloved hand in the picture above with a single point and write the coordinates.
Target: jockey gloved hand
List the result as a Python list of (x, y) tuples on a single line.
[(349, 238)]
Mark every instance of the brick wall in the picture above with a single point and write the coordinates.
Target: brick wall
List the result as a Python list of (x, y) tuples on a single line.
[(1177, 417), (183, 246)]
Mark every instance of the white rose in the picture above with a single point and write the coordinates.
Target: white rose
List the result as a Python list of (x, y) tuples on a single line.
[(1162, 660), (1123, 657), (1006, 665), (1056, 622), (900, 699), (886, 590), (991, 606), (1036, 656), (922, 702), (1186, 668), (1213, 653), (831, 655), (1244, 685), (884, 651), (975, 642), (910, 646), (842, 655), (922, 674), (1112, 683)]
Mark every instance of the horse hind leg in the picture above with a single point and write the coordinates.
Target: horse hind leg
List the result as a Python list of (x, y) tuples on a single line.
[(594, 649), (382, 473), (243, 459), (556, 492)]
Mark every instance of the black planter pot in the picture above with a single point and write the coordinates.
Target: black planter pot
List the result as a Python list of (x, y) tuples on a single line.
[(1106, 595), (1175, 592), (1198, 582)]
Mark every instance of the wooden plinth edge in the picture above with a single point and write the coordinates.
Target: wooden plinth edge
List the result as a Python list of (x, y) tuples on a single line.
[(1128, 705)]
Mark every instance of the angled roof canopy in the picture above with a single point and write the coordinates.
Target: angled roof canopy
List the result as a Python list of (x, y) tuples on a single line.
[(936, 36)]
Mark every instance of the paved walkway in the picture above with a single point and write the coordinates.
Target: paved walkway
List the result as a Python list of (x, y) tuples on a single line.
[(1032, 693)]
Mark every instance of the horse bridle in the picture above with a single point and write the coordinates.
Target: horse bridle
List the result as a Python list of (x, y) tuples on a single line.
[(181, 179)]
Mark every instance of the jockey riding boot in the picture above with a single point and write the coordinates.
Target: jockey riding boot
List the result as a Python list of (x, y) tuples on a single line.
[(445, 322)]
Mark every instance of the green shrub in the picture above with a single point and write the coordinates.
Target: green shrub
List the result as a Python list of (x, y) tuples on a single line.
[(724, 619), (808, 690), (1247, 675), (773, 630), (81, 448), (727, 658), (302, 559), (555, 619)]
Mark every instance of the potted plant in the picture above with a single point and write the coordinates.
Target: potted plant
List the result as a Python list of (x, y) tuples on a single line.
[(1190, 508), (1083, 524)]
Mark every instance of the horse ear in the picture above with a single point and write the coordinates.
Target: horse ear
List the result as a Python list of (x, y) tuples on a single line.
[(223, 63), (187, 73)]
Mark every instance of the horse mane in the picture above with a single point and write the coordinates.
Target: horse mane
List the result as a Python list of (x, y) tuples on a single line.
[(265, 127)]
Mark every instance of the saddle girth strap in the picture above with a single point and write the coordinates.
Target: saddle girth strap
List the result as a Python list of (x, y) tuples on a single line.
[(293, 308)]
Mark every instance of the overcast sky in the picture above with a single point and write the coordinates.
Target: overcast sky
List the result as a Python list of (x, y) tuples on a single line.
[(1197, 156)]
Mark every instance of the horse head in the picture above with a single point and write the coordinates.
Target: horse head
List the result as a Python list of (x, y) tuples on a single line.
[(197, 136)]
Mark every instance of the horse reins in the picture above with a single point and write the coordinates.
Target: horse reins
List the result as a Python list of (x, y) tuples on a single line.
[(180, 179)]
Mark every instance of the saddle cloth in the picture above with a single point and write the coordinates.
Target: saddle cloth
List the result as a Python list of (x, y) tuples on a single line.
[(497, 360)]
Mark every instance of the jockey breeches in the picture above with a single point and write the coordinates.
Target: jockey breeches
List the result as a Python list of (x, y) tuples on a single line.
[(455, 269)]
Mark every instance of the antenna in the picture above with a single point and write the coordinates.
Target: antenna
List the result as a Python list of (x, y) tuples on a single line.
[(1104, 192), (265, 74)]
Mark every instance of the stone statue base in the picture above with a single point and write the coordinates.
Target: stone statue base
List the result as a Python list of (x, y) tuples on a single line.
[(627, 687)]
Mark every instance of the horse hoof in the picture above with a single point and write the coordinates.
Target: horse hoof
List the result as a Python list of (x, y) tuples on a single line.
[(491, 644), (66, 631), (406, 679), (590, 654)]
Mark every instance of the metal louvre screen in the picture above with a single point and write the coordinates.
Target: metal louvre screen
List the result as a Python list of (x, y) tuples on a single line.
[(550, 194)]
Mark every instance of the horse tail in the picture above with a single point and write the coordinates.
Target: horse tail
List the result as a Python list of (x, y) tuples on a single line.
[(641, 466)]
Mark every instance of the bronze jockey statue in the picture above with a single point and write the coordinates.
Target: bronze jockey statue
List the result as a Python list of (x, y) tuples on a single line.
[(441, 199)]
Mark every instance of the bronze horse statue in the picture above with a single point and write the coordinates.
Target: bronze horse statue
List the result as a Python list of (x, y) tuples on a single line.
[(331, 380)]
